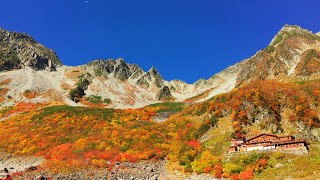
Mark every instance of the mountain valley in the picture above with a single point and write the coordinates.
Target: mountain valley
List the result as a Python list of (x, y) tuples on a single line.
[(113, 114)]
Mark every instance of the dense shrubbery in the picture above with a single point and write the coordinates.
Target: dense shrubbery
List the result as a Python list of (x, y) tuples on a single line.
[(245, 102), (97, 99), (168, 106), (9, 60), (241, 167), (81, 136), (77, 93)]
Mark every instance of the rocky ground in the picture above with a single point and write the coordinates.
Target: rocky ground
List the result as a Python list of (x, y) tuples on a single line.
[(146, 170), (162, 116), (15, 164)]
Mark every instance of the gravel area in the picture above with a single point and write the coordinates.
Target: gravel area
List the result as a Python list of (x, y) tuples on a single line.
[(145, 170)]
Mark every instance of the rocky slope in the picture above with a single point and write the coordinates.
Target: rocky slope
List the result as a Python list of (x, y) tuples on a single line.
[(292, 55), (19, 50)]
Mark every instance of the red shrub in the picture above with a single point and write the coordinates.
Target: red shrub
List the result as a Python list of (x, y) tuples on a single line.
[(207, 169), (194, 143), (247, 174), (234, 177), (263, 163), (218, 170)]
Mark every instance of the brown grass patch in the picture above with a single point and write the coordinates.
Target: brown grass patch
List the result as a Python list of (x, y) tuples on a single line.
[(3, 91), (53, 95), (2, 99), (74, 73), (29, 94), (6, 81), (199, 96), (65, 86)]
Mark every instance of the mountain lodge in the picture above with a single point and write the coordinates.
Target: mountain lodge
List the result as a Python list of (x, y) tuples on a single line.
[(267, 142)]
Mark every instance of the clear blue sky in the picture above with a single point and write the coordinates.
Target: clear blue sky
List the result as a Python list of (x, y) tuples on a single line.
[(183, 39)]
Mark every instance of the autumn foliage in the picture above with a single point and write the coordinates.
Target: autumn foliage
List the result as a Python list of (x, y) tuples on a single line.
[(75, 137), (71, 138), (244, 103)]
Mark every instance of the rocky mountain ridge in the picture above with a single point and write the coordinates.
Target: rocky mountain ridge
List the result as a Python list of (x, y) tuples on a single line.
[(19, 50), (283, 57), (292, 55)]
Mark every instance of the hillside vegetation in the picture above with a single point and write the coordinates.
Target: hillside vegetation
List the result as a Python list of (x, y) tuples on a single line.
[(78, 137), (267, 105), (72, 138), (59, 112)]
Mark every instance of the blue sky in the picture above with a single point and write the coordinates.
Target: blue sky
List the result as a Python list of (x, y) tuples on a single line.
[(183, 39)]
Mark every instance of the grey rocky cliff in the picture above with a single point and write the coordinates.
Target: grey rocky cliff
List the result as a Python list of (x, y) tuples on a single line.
[(122, 70), (137, 71), (118, 69), (293, 54), (151, 78), (164, 94), (19, 50)]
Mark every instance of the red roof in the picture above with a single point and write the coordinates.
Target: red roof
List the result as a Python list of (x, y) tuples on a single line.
[(285, 136), (293, 142), (262, 135)]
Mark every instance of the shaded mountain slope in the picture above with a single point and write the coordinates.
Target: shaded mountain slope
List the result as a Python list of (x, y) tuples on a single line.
[(19, 50)]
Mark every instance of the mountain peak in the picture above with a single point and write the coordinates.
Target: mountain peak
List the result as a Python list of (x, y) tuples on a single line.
[(12, 36), (19, 50), (120, 60), (288, 31), (151, 78), (288, 26), (295, 29), (153, 70)]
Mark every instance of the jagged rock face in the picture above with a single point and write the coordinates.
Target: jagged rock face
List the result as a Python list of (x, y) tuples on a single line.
[(164, 94), (123, 71), (19, 50), (292, 55), (118, 69), (150, 78), (137, 71)]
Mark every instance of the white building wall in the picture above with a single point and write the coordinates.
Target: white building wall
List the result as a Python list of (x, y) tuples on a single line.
[(254, 148), (260, 148), (269, 147)]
